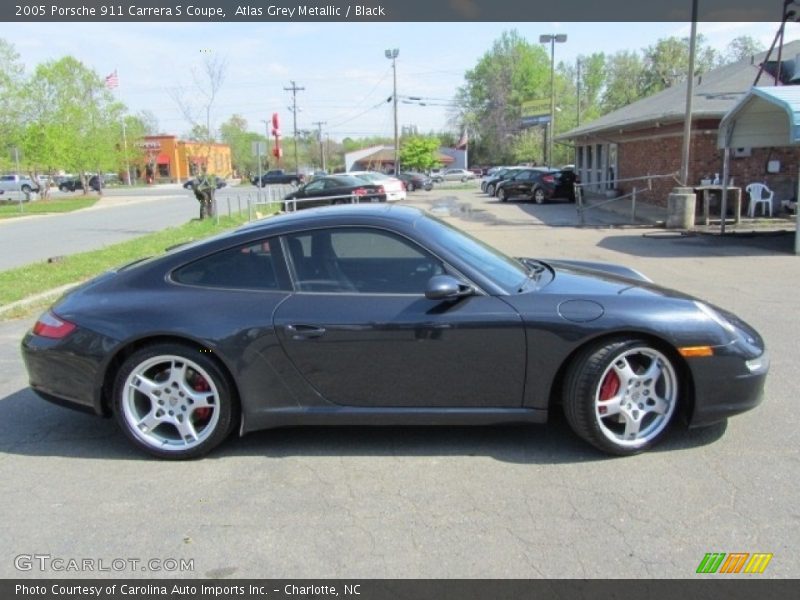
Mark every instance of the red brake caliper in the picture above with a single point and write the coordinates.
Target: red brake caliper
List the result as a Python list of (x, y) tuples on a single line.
[(201, 385), (608, 389)]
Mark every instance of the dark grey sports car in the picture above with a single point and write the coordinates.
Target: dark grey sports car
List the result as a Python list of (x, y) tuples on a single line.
[(379, 314)]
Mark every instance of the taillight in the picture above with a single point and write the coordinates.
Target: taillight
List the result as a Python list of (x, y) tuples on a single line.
[(50, 326), (360, 191), (381, 190), (549, 179)]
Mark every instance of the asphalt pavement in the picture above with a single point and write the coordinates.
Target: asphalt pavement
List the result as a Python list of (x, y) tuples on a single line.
[(506, 502)]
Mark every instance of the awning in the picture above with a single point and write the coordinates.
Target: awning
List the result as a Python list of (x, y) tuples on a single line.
[(767, 117), (162, 159)]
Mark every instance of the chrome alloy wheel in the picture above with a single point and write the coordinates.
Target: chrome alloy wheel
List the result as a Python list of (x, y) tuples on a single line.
[(636, 397), (170, 403)]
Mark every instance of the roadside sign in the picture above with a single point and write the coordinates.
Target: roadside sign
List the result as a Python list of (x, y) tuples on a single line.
[(535, 107), (259, 148), (535, 120)]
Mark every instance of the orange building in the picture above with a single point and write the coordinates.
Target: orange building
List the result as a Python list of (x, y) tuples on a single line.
[(166, 159)]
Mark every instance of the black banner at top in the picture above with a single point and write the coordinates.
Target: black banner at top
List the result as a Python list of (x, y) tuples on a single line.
[(390, 10)]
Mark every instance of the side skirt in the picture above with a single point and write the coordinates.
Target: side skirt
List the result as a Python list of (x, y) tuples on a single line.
[(358, 416)]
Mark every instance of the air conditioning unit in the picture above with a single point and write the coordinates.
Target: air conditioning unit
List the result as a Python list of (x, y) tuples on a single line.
[(742, 152)]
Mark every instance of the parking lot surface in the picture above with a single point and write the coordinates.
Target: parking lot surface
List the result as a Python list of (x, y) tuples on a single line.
[(514, 501)]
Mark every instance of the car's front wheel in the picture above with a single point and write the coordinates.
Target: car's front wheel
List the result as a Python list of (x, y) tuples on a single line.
[(173, 401), (502, 195), (490, 189), (620, 395)]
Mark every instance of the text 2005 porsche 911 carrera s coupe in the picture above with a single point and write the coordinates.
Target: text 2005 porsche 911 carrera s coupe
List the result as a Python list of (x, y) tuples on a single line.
[(376, 315)]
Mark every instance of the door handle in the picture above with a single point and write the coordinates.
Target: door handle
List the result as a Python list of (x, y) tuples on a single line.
[(304, 332)]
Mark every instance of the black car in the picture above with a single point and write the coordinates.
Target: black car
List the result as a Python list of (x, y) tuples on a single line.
[(489, 185), (335, 189), (383, 314), (75, 183), (538, 184), (192, 183), (416, 181)]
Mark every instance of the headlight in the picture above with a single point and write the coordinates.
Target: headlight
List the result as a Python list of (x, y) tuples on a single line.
[(715, 316)]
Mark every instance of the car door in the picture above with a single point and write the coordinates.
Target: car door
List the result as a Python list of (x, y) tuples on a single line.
[(518, 184), (361, 331)]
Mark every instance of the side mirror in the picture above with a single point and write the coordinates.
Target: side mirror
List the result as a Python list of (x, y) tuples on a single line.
[(446, 287)]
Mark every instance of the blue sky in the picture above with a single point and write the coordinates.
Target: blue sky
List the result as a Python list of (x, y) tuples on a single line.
[(341, 65)]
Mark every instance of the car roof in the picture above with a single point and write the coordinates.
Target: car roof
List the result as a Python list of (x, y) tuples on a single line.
[(336, 214)]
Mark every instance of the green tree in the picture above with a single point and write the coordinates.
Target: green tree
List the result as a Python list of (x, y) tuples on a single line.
[(510, 73), (234, 133), (11, 85), (742, 48), (71, 120), (624, 80), (419, 153), (667, 62)]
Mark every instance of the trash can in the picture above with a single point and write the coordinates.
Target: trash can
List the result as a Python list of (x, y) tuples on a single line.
[(680, 208)]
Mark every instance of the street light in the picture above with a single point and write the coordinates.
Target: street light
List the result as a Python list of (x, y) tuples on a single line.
[(392, 55), (552, 39)]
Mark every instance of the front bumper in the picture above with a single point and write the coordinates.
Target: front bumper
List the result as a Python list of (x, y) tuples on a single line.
[(726, 386)]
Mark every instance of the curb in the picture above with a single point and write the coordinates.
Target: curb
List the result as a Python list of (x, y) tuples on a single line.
[(52, 293)]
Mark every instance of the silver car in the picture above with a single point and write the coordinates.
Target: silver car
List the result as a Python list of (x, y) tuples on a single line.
[(454, 175), (18, 183)]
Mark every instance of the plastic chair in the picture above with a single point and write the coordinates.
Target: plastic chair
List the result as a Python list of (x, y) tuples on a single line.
[(759, 193)]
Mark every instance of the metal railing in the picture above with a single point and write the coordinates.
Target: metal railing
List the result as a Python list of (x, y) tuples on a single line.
[(582, 207), (251, 201)]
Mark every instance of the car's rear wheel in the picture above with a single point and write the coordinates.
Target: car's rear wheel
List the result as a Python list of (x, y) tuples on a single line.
[(411, 187), (502, 195), (621, 395), (173, 402), (538, 195)]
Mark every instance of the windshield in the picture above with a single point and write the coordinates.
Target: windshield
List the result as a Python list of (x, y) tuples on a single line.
[(508, 273)]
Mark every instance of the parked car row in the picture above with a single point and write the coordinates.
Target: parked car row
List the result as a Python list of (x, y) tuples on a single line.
[(538, 184), (75, 184)]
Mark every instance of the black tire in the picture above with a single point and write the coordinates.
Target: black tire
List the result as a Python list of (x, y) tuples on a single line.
[(463, 180), (490, 189), (538, 195), (63, 188), (411, 187), (428, 187), (174, 401), (26, 189), (592, 416), (502, 195)]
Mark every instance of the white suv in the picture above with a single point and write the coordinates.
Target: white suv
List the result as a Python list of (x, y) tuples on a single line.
[(18, 183)]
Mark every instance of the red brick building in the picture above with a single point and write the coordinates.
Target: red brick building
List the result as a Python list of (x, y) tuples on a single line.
[(646, 137)]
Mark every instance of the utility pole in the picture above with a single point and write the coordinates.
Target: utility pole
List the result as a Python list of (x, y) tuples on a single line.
[(392, 55), (294, 89), (319, 125), (578, 87)]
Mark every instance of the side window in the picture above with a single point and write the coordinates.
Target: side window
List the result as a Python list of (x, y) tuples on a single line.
[(315, 186), (249, 267), (360, 260)]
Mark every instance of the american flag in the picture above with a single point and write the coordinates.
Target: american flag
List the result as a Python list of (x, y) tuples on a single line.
[(462, 143), (112, 80)]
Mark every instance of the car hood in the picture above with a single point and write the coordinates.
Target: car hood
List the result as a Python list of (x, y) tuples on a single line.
[(597, 280)]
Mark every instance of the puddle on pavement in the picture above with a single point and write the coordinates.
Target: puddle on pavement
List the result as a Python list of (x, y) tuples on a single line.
[(453, 207)]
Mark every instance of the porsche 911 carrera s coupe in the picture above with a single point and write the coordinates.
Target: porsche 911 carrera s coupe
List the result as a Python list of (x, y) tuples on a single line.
[(384, 315)]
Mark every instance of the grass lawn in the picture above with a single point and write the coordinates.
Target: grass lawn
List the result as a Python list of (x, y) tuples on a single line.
[(19, 283), (39, 207)]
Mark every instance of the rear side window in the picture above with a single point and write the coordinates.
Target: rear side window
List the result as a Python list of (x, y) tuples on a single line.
[(249, 267)]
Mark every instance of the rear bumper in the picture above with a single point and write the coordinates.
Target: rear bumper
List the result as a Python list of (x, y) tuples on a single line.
[(60, 371)]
